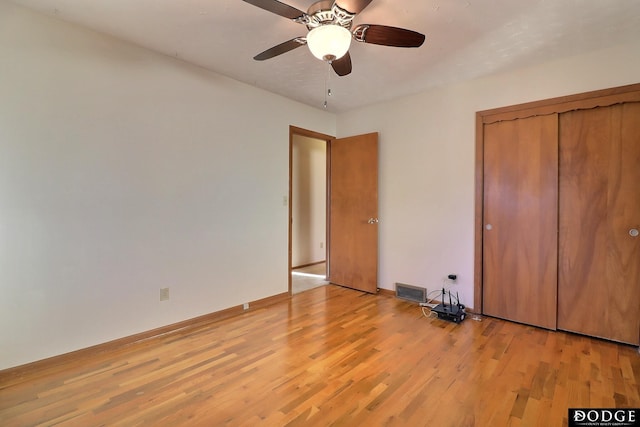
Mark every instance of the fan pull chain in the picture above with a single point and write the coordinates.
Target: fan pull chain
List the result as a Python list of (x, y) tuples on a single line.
[(327, 84)]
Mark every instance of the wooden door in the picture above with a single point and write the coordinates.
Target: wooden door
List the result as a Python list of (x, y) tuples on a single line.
[(520, 220), (353, 212), (599, 272)]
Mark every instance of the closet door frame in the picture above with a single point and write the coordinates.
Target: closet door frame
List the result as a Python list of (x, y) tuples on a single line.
[(587, 100)]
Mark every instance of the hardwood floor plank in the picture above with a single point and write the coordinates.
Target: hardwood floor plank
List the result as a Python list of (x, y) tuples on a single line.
[(331, 357)]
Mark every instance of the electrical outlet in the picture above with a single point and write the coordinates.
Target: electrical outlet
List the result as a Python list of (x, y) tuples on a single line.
[(245, 306), (164, 294), (321, 245)]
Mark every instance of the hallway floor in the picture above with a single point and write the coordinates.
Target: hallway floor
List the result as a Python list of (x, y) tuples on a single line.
[(305, 278)]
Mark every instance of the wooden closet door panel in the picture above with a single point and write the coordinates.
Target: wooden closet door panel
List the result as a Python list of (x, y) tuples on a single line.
[(599, 272), (520, 220)]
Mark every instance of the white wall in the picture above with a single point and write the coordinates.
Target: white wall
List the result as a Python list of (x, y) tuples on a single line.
[(308, 201), (122, 172), (427, 156)]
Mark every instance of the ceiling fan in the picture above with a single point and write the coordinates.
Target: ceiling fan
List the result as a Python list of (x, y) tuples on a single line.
[(330, 31)]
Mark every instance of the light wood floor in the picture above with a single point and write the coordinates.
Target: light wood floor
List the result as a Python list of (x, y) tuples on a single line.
[(332, 356)]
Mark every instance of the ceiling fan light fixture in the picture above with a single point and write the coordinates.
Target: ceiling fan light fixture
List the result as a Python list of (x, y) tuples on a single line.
[(329, 42)]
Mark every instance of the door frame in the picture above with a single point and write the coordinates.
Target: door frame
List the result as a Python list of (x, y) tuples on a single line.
[(586, 100), (294, 130)]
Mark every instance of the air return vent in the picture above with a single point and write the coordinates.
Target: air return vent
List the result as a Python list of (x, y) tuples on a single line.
[(411, 293)]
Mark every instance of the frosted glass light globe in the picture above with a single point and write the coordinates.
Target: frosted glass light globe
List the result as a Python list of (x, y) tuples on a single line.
[(329, 42)]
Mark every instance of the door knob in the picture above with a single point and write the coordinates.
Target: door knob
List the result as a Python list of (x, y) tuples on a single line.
[(488, 226), (373, 221), (633, 232)]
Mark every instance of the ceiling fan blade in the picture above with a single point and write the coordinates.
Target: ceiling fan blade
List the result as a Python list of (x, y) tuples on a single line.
[(342, 66), (274, 6), (352, 6), (281, 48), (387, 36)]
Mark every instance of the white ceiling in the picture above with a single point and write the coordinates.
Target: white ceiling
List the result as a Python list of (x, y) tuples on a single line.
[(465, 39)]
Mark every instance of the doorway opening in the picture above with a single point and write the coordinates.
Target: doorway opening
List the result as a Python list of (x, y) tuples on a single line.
[(308, 219)]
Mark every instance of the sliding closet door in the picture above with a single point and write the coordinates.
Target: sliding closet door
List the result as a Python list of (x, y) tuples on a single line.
[(520, 214), (599, 272)]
